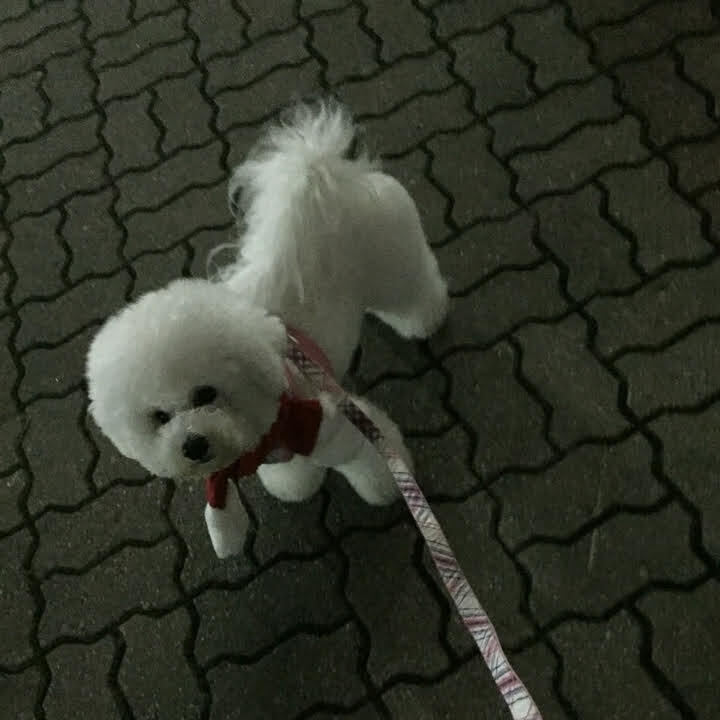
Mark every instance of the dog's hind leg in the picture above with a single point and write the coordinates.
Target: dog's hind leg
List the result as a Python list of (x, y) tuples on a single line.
[(423, 310)]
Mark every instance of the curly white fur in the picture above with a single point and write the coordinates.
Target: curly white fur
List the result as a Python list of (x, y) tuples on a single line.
[(325, 239)]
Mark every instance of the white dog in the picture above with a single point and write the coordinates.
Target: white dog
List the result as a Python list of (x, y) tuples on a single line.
[(190, 378)]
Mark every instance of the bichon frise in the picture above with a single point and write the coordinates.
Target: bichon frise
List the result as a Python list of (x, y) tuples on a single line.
[(190, 378)]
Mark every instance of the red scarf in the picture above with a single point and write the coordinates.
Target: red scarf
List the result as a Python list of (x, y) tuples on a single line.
[(295, 430)]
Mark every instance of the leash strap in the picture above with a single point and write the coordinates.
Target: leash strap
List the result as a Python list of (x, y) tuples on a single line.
[(511, 687)]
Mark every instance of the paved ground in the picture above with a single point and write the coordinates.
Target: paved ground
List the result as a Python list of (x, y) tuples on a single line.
[(566, 157)]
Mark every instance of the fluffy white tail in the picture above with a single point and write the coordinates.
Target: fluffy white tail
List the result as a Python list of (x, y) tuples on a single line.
[(288, 186)]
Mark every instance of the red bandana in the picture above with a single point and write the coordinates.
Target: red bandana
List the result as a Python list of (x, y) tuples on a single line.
[(295, 430)]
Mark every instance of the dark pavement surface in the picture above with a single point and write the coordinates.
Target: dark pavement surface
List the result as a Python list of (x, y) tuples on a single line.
[(566, 425)]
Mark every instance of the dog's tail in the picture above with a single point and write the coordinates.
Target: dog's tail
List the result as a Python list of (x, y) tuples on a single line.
[(289, 187)]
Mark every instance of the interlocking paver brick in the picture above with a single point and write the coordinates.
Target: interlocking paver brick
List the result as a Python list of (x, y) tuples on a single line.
[(701, 64), (110, 465), (414, 408), (155, 674), (402, 28), (220, 28), (71, 176), (697, 164), (537, 668), (493, 309), (240, 623), (131, 134), (465, 15), (142, 8), (28, 26), (124, 513), (104, 18), (419, 119), (497, 76), (150, 188), (133, 580), (394, 83), (92, 234), (183, 112), (58, 460), (19, 693), (668, 378), (155, 270), (269, 17), (463, 694), (442, 462), (34, 157), (595, 476), (553, 115), (544, 349), (486, 248), (579, 157), (267, 96), (256, 61), (308, 8), (383, 352), (672, 108), (37, 257), (410, 171), (671, 231), (496, 576), (68, 85), (710, 201), (677, 645), (52, 321), (656, 548), (404, 619), (21, 108), (557, 53), (591, 12), (200, 564), (78, 683), (12, 486), (610, 652), (157, 64), (347, 512), (251, 692), (596, 254), (58, 39), (13, 8), (12, 426), (506, 420), (125, 47), (658, 310), (649, 30), (480, 184), (17, 605), (55, 371), (8, 370), (348, 49), (690, 460), (366, 712), (284, 528), (190, 211)]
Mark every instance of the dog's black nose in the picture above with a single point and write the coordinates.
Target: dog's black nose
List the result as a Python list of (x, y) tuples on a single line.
[(195, 447)]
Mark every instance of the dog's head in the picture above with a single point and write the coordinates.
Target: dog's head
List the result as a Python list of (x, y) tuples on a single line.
[(187, 378)]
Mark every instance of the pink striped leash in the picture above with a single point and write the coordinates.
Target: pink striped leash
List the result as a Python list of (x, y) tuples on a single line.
[(511, 687)]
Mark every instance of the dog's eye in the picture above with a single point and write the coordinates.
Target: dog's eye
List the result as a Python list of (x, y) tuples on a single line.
[(161, 417), (204, 395)]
